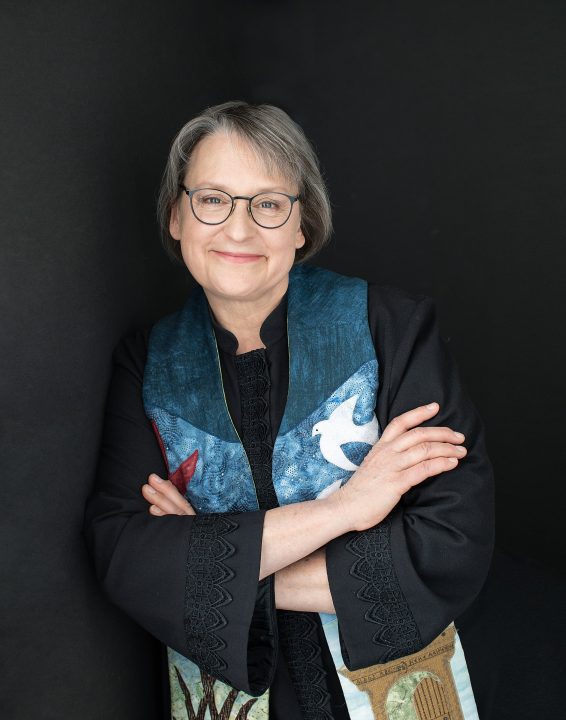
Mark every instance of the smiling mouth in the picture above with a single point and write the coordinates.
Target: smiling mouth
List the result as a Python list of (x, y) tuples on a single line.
[(238, 257)]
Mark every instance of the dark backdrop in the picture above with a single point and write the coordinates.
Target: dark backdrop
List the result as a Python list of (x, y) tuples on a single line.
[(451, 115)]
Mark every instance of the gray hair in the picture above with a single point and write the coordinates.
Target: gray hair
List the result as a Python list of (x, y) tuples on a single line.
[(278, 142)]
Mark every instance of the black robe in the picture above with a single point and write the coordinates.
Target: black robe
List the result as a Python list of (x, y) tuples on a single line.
[(438, 540)]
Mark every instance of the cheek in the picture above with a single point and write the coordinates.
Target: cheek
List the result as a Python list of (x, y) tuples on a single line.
[(194, 235), (194, 262), (287, 240), (195, 244)]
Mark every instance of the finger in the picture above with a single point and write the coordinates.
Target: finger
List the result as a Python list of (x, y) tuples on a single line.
[(167, 488), (168, 501), (408, 420), (428, 451), (426, 469), (426, 434), (161, 501)]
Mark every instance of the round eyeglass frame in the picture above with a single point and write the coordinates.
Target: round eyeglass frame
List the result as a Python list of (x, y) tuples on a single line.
[(190, 193)]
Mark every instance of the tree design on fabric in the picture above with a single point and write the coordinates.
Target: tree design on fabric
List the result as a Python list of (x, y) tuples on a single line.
[(208, 702)]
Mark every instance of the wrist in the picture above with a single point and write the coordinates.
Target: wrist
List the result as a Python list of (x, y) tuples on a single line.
[(340, 506)]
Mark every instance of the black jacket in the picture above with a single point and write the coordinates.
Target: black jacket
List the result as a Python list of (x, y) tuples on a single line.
[(438, 543)]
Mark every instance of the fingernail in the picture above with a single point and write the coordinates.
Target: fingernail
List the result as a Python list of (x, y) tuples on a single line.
[(460, 450), (431, 406), (459, 435), (453, 460), (151, 490), (157, 478)]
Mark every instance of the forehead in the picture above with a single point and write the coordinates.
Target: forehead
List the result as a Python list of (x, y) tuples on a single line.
[(229, 159)]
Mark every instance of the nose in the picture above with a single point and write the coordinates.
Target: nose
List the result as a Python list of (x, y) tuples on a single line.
[(240, 224)]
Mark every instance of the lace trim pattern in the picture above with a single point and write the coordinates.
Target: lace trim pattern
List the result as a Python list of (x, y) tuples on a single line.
[(298, 634), (396, 627), (299, 642), (204, 591), (254, 384)]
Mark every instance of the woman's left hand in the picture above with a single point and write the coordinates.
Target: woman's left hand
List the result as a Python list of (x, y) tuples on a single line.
[(164, 498)]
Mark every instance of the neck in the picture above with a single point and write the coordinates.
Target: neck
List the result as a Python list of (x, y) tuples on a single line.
[(244, 318)]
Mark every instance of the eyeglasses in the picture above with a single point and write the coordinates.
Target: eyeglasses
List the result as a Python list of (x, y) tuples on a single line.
[(267, 209)]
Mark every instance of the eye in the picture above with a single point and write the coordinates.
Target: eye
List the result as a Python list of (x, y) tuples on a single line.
[(271, 203), (212, 199)]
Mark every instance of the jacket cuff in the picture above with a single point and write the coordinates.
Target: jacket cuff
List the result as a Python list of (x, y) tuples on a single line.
[(229, 616), (375, 621)]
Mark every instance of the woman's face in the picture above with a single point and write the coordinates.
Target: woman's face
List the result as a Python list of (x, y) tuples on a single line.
[(238, 259)]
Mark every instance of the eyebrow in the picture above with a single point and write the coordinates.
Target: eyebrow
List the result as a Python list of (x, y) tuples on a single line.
[(221, 186)]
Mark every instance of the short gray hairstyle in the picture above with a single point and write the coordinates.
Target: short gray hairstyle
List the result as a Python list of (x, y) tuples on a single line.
[(278, 141)]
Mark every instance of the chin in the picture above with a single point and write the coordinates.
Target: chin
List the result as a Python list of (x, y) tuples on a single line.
[(236, 286)]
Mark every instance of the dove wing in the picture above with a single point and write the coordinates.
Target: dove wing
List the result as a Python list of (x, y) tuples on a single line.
[(333, 453), (345, 411), (368, 432)]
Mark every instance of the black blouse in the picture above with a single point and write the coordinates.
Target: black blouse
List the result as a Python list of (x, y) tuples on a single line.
[(255, 385), (395, 587)]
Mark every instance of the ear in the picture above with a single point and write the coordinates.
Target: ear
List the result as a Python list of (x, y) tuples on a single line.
[(300, 239), (175, 222)]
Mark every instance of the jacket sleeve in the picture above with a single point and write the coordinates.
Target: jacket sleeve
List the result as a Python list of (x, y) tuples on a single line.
[(398, 585), (192, 582)]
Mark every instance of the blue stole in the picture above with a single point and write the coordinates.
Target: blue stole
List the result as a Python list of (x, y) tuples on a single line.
[(327, 428)]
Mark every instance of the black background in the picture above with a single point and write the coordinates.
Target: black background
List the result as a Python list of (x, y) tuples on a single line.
[(451, 115)]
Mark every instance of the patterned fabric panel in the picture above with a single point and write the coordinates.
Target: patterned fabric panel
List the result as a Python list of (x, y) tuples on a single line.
[(196, 695), (329, 337), (430, 684), (222, 479), (323, 450), (312, 459)]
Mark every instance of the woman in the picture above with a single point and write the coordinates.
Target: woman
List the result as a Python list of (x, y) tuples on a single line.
[(314, 515)]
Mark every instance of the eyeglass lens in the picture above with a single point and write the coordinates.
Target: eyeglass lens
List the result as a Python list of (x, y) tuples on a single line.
[(268, 209)]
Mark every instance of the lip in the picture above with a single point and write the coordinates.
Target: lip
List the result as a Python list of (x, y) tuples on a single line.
[(238, 257)]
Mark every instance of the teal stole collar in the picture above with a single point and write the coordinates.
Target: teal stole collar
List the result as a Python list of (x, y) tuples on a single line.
[(332, 366)]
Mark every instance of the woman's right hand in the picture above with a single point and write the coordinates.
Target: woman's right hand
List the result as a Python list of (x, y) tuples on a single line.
[(404, 456)]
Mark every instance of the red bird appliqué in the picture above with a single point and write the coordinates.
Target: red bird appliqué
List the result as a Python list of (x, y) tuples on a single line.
[(183, 474)]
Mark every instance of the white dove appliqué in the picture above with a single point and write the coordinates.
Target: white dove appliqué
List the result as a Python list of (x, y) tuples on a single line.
[(339, 429)]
